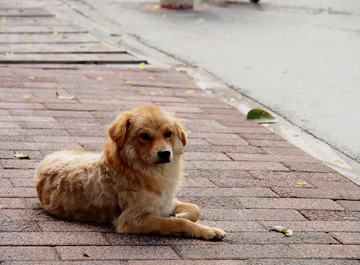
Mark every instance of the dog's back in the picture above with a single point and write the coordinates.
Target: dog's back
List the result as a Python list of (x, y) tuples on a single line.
[(67, 184)]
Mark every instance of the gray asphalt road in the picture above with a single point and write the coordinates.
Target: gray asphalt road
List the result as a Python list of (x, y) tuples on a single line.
[(299, 58)]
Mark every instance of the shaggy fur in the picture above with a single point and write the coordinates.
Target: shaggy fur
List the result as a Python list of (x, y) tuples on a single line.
[(132, 183)]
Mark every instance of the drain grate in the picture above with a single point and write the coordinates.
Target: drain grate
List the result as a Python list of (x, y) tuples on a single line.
[(35, 36), (25, 12)]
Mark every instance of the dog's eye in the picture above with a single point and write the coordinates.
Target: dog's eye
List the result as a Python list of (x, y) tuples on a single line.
[(145, 136), (168, 134)]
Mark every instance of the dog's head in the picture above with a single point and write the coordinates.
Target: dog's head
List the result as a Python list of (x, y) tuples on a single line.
[(148, 133)]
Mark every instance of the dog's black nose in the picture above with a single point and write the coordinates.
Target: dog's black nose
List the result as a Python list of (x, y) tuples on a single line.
[(164, 155)]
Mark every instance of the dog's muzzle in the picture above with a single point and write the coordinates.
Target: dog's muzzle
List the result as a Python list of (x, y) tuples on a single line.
[(164, 156)]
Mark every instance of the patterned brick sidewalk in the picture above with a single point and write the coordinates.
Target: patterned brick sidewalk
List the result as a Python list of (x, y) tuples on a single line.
[(244, 178)]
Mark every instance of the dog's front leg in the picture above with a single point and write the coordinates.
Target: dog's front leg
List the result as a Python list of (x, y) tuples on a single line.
[(186, 210), (150, 223)]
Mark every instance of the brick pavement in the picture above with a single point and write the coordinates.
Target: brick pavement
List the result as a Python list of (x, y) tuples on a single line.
[(245, 178)]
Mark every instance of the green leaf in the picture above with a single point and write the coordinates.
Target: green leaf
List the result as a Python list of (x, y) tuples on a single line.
[(21, 156), (260, 116)]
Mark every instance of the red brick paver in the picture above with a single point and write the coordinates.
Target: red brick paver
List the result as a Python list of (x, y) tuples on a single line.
[(244, 178)]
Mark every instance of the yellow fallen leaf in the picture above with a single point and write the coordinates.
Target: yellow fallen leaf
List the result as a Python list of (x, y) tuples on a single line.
[(102, 41), (119, 4), (29, 43), (21, 156), (337, 159), (301, 182), (152, 78), (63, 97), (13, 46), (128, 82), (189, 92), (164, 16), (9, 53), (26, 96), (142, 66), (31, 77), (67, 17), (157, 6), (199, 20), (55, 33), (115, 34), (3, 20), (100, 78), (160, 92), (152, 93), (286, 230), (205, 5), (188, 131)]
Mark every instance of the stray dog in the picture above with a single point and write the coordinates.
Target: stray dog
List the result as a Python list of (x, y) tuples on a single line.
[(132, 183)]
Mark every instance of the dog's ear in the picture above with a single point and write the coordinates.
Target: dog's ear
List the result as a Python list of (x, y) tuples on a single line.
[(181, 133), (117, 129)]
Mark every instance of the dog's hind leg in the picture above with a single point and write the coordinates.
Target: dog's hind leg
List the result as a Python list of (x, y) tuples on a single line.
[(186, 210)]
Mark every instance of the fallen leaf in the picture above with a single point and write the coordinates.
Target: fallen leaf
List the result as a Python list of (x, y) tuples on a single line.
[(31, 77), (164, 16), (68, 17), (63, 97), (3, 20), (286, 230), (260, 116), (188, 131), (21, 156), (189, 92), (205, 5), (128, 82), (29, 43), (199, 20), (157, 6), (301, 182), (26, 96), (115, 34), (9, 53), (102, 41), (142, 66), (13, 46), (152, 93), (119, 4), (100, 78), (152, 78), (85, 255), (55, 33), (337, 159)]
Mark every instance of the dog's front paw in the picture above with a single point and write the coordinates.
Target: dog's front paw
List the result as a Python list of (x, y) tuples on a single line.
[(213, 234)]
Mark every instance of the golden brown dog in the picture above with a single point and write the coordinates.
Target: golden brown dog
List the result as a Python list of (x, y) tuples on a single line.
[(132, 183)]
